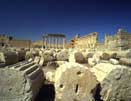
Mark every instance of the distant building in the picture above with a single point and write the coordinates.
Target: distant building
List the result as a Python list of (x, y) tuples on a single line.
[(87, 41), (8, 41), (120, 41)]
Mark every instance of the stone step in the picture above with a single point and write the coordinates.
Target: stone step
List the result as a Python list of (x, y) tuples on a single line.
[(34, 74), (31, 69), (24, 67), (17, 65)]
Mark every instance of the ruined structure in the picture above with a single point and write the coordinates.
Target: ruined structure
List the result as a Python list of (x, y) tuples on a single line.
[(76, 74), (54, 41), (87, 41), (20, 82), (20, 43), (11, 42), (120, 41)]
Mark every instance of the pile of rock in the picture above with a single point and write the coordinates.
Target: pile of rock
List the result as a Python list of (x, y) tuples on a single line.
[(20, 82), (77, 75)]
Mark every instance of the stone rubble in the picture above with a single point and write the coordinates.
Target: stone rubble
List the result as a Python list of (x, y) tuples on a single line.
[(20, 82), (75, 74), (74, 82)]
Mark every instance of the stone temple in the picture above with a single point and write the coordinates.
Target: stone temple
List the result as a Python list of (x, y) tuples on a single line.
[(54, 69)]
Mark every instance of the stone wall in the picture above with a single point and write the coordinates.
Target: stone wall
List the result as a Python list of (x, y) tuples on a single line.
[(120, 41), (88, 41), (20, 43)]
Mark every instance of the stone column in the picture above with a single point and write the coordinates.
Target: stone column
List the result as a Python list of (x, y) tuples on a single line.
[(49, 41), (53, 42), (56, 42), (43, 42), (64, 42)]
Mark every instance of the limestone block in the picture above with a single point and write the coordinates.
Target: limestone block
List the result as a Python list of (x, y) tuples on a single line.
[(35, 52), (37, 59), (50, 76), (8, 57), (48, 57), (63, 55), (21, 55), (123, 54), (89, 55), (76, 57), (97, 56), (114, 61), (125, 61), (116, 87), (41, 62), (29, 55), (115, 81), (105, 56), (113, 55), (74, 82), (52, 65), (128, 55), (20, 83), (91, 62), (101, 70)]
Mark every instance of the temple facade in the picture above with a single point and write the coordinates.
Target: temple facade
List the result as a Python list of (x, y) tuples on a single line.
[(119, 41), (54, 40)]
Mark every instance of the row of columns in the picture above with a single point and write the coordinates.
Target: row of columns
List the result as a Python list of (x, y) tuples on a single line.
[(54, 42)]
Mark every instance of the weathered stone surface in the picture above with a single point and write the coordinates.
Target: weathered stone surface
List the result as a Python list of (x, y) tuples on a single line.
[(52, 65), (115, 81), (37, 59), (101, 70), (20, 82), (89, 55), (128, 55), (96, 57), (12, 85), (105, 56), (125, 61), (8, 57), (113, 55), (74, 82), (91, 62), (116, 86), (29, 55), (48, 56), (21, 55), (63, 55), (41, 62), (76, 57), (114, 61)]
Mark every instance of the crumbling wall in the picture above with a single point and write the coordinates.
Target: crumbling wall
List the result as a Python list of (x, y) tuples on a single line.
[(88, 41)]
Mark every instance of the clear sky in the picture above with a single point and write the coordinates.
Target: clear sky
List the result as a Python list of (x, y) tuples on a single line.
[(29, 19)]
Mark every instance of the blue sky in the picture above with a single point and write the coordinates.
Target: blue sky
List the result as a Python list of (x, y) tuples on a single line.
[(29, 19)]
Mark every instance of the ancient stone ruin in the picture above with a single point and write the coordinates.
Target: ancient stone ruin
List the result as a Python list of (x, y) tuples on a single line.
[(56, 72)]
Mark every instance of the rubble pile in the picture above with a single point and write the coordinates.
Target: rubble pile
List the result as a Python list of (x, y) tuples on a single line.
[(76, 74)]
